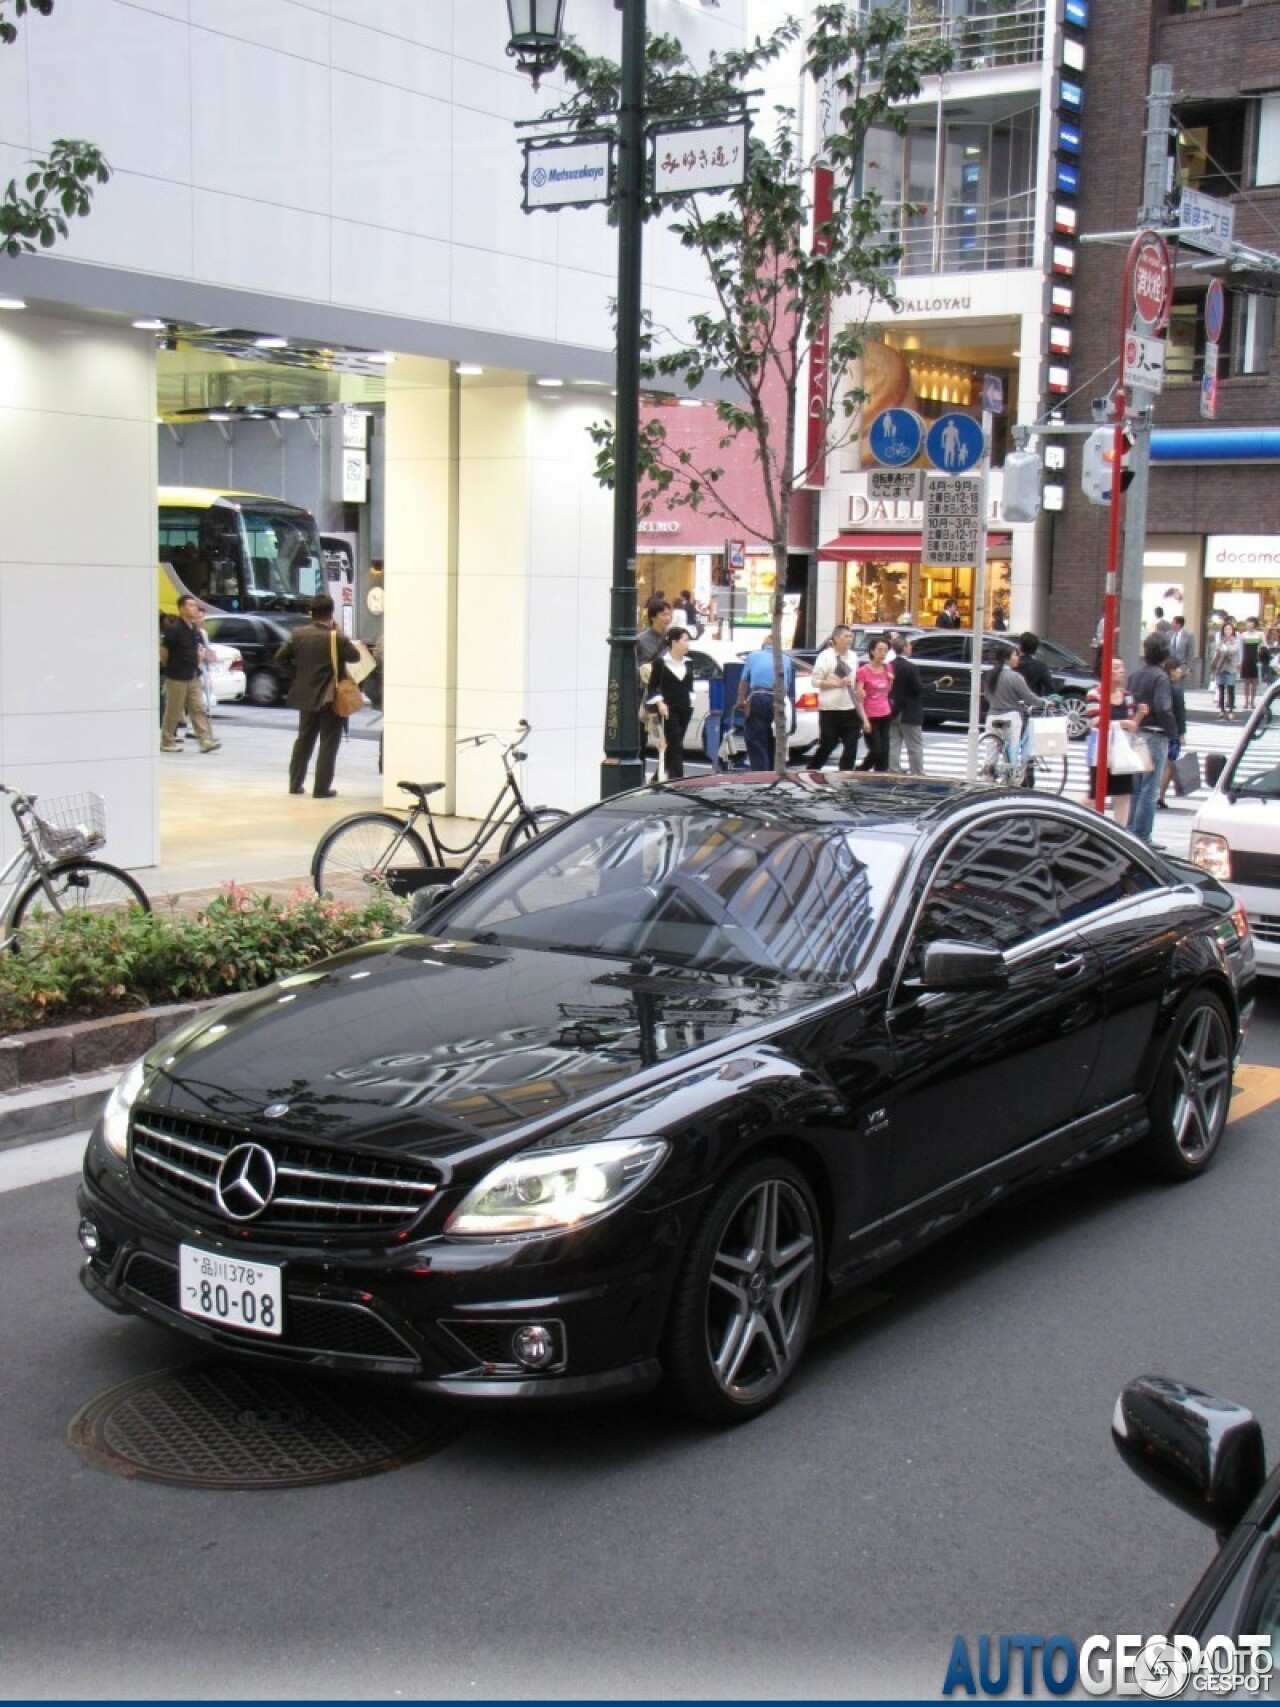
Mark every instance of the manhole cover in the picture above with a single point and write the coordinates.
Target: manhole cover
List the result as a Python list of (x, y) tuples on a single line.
[(215, 1425)]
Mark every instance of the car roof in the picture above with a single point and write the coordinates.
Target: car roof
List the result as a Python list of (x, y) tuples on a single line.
[(806, 799)]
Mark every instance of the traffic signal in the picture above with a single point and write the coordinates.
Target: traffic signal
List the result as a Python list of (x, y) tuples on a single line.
[(1020, 501), (1099, 452)]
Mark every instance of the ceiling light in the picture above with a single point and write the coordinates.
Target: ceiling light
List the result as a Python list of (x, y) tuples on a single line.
[(379, 356), (149, 325), (468, 368), (288, 414), (219, 415), (549, 383), (12, 302), (271, 343), (689, 402)]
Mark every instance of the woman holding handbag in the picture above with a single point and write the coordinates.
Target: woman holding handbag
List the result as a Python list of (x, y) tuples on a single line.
[(1224, 670), (321, 694), (1119, 783), (670, 694)]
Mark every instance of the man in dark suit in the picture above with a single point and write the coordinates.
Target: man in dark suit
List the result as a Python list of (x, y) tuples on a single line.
[(311, 651)]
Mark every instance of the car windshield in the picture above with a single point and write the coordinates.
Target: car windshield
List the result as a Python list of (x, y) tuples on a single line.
[(1255, 770), (680, 879)]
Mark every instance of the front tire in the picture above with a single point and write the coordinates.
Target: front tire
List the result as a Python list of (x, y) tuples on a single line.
[(79, 886), (263, 688), (1076, 710), (1192, 1094), (530, 826), (745, 1301), (352, 859)]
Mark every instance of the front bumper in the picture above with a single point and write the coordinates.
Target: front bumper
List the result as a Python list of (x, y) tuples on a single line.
[(440, 1313)]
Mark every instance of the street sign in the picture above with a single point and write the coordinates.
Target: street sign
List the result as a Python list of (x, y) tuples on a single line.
[(1209, 383), (953, 520), (711, 157), (993, 393), (737, 554), (895, 484), (1205, 222), (1215, 310), (895, 437), (565, 174), (955, 444), (1143, 363), (1152, 288)]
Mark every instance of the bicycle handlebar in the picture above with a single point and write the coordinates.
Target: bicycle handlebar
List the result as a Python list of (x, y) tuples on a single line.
[(522, 729)]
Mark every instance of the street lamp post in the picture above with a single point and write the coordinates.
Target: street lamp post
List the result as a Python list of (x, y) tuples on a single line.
[(535, 37)]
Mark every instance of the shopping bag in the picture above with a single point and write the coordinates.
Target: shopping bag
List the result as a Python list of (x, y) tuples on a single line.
[(1186, 773), (1126, 756), (1049, 737)]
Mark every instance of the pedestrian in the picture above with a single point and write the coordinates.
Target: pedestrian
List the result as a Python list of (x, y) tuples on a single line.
[(1000, 616), (840, 718), (755, 696), (1272, 643), (949, 615), (183, 651), (1031, 666), (874, 683), (653, 636), (1159, 625), (671, 696), (1182, 647), (1224, 670), (1175, 673), (318, 655), (686, 613), (1153, 716), (1007, 691), (906, 698), (1119, 783), (1251, 642)]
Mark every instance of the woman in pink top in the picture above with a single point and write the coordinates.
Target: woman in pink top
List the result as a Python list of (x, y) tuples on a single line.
[(873, 682)]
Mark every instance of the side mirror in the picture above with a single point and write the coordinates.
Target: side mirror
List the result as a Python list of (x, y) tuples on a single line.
[(963, 966), (1203, 1453), (1214, 765)]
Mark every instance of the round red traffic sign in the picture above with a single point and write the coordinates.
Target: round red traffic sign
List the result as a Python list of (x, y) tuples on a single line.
[(1151, 280)]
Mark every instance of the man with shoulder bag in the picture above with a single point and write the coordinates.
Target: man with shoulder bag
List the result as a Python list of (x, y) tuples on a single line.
[(1154, 718), (323, 695)]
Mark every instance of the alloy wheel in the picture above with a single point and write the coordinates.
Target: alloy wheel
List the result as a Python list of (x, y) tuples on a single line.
[(1201, 1084), (761, 1289)]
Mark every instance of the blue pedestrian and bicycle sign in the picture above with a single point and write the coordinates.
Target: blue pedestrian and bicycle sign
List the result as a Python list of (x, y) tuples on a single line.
[(955, 443), (895, 437)]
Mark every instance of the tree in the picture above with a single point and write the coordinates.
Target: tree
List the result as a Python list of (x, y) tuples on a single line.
[(774, 273), (60, 186)]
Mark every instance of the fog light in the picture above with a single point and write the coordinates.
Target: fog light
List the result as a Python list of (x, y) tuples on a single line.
[(88, 1235), (534, 1346)]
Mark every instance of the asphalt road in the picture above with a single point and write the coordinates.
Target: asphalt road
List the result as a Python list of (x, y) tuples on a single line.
[(941, 1466)]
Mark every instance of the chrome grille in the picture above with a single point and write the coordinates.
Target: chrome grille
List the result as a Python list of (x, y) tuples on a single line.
[(317, 1189)]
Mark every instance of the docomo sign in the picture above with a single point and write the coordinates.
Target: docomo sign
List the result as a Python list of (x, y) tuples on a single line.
[(1151, 281)]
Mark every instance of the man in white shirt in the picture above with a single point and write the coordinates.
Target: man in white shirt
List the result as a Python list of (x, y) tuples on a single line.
[(840, 718)]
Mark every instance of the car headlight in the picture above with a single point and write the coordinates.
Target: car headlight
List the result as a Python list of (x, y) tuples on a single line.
[(1212, 854), (540, 1191), (115, 1116)]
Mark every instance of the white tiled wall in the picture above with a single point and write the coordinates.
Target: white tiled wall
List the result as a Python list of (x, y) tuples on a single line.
[(77, 572)]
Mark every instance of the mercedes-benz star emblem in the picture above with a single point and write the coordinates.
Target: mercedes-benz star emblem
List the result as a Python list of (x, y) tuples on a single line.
[(275, 1111), (245, 1182)]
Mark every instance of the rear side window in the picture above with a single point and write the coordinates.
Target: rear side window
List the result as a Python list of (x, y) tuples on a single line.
[(1089, 871), (991, 888), (947, 646)]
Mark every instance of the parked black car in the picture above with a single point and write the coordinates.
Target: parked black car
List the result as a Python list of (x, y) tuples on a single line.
[(631, 1103), (1206, 1454), (259, 637)]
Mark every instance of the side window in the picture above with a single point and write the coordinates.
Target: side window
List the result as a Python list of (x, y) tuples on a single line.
[(1088, 871), (991, 888), (947, 646)]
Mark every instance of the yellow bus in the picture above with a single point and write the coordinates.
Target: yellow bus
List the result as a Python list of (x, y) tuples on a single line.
[(238, 551)]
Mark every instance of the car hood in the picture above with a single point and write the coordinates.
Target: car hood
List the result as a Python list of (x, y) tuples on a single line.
[(434, 1045)]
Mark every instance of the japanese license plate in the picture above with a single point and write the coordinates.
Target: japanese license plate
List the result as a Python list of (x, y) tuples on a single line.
[(237, 1294)]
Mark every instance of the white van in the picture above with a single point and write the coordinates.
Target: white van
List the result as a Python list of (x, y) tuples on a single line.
[(1236, 833)]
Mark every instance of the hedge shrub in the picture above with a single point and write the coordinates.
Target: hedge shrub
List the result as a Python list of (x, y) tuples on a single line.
[(85, 965)]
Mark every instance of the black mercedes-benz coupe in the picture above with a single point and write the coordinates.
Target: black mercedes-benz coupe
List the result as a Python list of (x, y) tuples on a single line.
[(629, 1105)]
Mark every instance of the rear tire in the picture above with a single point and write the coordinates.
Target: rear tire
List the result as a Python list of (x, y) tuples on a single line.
[(746, 1297), (263, 688), (993, 762), (1076, 710), (80, 886), (1192, 1095), (351, 860), (528, 828), (1049, 774)]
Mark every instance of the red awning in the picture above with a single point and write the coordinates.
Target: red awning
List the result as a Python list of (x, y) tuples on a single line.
[(893, 547)]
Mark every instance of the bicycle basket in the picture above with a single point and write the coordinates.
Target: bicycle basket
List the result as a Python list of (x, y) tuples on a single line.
[(71, 824), (1049, 736)]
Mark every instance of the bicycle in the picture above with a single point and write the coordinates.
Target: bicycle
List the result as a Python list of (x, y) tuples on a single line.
[(50, 870), (1002, 761), (372, 848)]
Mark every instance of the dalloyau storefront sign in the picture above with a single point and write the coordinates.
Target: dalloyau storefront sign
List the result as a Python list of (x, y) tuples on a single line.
[(858, 509), (1230, 555)]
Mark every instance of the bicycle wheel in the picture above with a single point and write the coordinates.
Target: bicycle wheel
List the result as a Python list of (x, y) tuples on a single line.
[(79, 886), (1049, 773), (353, 858), (993, 761), (530, 826)]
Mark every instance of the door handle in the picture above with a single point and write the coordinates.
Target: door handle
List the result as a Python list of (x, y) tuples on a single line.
[(1068, 965)]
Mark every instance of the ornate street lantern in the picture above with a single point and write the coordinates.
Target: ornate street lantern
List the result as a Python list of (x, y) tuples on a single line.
[(537, 27)]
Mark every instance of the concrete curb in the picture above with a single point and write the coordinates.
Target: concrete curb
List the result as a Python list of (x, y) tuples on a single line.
[(54, 1082)]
